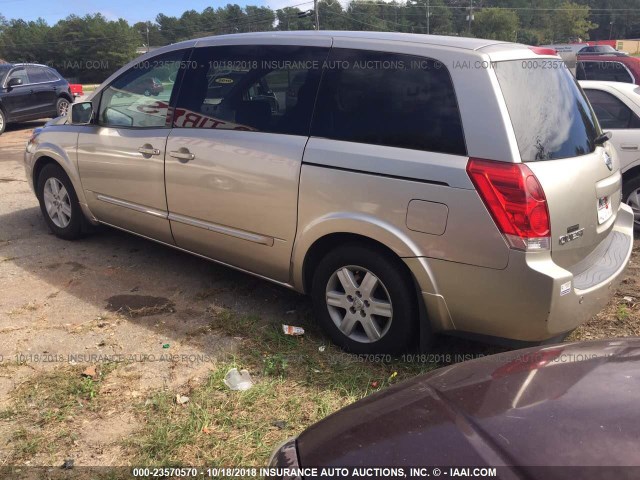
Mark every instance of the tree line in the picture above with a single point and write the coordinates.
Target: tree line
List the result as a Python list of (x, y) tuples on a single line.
[(91, 47)]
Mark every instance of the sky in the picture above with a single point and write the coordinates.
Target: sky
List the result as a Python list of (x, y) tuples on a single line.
[(131, 10)]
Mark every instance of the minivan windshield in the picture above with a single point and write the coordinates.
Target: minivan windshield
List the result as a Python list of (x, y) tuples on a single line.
[(550, 115)]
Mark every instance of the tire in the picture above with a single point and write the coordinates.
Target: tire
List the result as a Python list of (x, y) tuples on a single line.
[(631, 196), (66, 218), (3, 121), (393, 295), (62, 106)]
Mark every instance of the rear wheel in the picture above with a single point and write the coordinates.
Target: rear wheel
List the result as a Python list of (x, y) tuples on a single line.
[(62, 106), (3, 121), (631, 196), (59, 203), (365, 300)]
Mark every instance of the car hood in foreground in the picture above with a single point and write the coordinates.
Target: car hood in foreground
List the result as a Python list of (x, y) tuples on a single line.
[(572, 404)]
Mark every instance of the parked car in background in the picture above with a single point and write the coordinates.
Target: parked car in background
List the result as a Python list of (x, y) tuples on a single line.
[(601, 50), (617, 106), (148, 86), (30, 91), (610, 68), (76, 90), (563, 405), (405, 194)]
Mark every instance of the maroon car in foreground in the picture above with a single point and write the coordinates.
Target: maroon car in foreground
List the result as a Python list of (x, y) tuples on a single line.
[(562, 411)]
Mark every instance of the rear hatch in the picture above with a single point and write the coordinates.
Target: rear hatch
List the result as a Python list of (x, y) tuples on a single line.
[(555, 130)]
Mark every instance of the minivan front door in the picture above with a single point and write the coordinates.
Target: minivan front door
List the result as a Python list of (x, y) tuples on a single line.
[(121, 157), (235, 151)]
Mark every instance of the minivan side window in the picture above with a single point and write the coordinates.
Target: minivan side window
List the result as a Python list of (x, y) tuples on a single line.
[(603, 71), (611, 112), (389, 99), (141, 96), (261, 88)]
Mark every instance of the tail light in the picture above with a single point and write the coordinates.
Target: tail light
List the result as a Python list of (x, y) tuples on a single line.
[(544, 51), (515, 200)]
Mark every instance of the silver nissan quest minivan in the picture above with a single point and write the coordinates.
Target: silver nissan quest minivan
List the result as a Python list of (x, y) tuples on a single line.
[(410, 184)]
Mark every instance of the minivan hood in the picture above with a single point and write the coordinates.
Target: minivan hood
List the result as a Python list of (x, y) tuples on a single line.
[(568, 404), (56, 121)]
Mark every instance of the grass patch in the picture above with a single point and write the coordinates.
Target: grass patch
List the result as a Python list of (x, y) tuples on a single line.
[(27, 307), (44, 404), (297, 381), (53, 396), (622, 313), (25, 443), (7, 414)]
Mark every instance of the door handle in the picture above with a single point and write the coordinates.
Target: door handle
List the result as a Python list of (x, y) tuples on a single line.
[(148, 150), (629, 146), (183, 154)]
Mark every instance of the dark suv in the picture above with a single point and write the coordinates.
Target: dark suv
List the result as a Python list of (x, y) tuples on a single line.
[(30, 91)]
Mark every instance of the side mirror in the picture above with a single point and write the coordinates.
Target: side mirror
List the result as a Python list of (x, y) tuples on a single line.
[(81, 113), (14, 82), (600, 139)]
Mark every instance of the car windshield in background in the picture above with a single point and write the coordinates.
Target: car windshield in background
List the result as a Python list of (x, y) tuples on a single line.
[(550, 115), (598, 49)]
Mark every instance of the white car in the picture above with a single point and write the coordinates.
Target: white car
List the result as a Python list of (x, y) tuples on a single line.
[(617, 106)]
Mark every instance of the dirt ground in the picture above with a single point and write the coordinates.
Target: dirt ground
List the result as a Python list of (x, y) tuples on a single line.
[(65, 306)]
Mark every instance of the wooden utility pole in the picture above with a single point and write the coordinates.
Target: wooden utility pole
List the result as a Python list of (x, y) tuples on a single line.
[(315, 9), (428, 19)]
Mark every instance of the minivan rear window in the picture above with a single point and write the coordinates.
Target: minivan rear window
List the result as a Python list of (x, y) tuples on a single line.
[(551, 117)]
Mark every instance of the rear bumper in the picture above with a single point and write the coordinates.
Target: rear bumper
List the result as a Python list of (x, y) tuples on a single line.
[(532, 299)]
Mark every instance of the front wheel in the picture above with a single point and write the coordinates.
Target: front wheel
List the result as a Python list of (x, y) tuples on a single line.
[(365, 300), (62, 106), (3, 122), (59, 203), (631, 196)]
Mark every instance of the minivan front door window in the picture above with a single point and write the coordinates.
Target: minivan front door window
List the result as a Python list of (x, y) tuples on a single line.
[(141, 96)]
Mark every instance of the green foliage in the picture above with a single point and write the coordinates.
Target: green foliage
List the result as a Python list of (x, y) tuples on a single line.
[(496, 24), (571, 22), (89, 48)]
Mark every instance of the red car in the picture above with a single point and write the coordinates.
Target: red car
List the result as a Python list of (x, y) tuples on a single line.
[(76, 90), (611, 68)]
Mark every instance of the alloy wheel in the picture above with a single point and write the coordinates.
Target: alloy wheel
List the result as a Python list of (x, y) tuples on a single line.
[(633, 200), (359, 304), (57, 202), (63, 108)]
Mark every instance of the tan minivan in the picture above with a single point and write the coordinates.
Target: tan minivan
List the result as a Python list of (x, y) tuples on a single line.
[(411, 184)]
